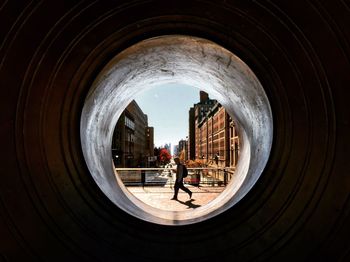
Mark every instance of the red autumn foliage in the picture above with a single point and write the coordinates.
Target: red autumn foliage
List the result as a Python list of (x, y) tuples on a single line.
[(164, 156)]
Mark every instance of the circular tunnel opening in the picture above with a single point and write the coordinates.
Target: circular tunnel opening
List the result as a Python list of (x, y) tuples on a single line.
[(185, 60), (172, 121)]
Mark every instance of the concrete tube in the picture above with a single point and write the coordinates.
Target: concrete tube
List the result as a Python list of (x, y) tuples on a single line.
[(51, 208), (176, 59)]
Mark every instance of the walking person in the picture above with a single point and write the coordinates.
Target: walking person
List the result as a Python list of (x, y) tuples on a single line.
[(179, 179)]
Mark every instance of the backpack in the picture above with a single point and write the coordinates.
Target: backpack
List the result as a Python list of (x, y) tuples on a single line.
[(184, 171)]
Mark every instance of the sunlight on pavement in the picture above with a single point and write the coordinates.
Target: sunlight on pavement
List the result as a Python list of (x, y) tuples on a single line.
[(159, 197)]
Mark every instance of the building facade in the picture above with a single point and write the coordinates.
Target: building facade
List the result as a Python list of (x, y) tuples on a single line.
[(132, 142), (196, 114), (150, 140), (182, 149), (191, 152), (213, 136)]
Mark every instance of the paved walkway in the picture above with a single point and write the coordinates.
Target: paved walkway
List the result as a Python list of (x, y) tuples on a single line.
[(159, 197)]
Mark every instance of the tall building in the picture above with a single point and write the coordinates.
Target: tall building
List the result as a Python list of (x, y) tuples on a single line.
[(196, 114), (182, 145), (191, 135), (130, 143), (212, 133), (150, 140), (176, 150), (141, 124), (182, 149)]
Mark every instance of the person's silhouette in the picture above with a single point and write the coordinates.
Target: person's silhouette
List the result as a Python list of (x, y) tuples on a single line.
[(179, 180)]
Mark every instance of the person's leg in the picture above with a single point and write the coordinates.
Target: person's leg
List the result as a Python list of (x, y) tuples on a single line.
[(176, 191), (186, 190)]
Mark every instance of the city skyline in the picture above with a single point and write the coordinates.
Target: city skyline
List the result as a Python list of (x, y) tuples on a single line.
[(167, 109)]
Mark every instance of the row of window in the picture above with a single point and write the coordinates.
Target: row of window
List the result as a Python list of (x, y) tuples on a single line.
[(129, 123)]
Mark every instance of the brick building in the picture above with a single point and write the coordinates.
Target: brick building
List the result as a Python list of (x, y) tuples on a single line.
[(196, 114), (212, 134)]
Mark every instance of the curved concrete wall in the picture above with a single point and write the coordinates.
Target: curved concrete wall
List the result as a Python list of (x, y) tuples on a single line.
[(50, 206), (176, 59)]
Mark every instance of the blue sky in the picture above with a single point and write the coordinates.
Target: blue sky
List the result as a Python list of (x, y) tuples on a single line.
[(167, 109)]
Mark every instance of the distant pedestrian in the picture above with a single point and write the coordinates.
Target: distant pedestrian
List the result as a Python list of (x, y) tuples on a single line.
[(179, 180), (216, 158)]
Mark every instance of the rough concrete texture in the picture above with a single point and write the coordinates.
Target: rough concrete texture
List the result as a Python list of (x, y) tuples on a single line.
[(51, 208), (177, 59)]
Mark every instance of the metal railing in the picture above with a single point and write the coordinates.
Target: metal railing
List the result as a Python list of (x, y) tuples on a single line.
[(200, 176)]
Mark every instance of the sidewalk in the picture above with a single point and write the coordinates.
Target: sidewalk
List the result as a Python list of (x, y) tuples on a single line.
[(159, 197)]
